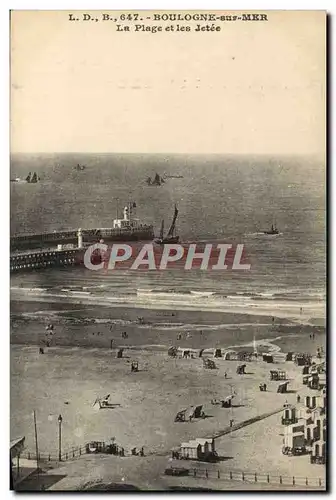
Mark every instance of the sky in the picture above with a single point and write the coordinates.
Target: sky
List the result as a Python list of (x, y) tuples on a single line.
[(252, 88)]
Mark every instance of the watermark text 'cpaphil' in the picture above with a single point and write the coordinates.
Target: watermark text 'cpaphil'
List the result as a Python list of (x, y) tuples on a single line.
[(206, 257)]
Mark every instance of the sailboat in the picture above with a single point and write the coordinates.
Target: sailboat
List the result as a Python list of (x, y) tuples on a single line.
[(34, 179), (30, 179), (171, 236), (157, 181), (273, 230)]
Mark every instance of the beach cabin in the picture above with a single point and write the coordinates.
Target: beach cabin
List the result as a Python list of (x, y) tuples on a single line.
[(293, 440), (289, 416), (282, 388), (318, 454), (321, 399), (207, 445), (289, 356), (303, 359), (322, 381), (268, 358), (20, 468), (310, 402), (191, 450), (317, 381), (311, 433), (279, 357)]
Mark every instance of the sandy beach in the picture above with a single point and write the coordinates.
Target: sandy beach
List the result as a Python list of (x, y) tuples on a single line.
[(80, 366)]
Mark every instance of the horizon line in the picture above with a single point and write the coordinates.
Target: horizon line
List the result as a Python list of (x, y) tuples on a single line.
[(161, 153)]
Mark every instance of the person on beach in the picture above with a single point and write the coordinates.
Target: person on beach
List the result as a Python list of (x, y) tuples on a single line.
[(298, 399), (225, 375), (231, 422)]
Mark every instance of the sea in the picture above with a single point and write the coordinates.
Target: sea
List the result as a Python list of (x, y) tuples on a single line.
[(230, 199)]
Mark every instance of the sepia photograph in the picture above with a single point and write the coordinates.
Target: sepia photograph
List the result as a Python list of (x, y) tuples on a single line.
[(168, 251)]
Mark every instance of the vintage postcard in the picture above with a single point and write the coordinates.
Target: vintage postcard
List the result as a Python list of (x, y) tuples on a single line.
[(168, 251)]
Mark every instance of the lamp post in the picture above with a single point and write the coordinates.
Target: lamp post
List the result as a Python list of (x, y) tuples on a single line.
[(59, 437)]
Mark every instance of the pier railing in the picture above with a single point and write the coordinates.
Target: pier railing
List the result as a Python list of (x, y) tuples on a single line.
[(194, 472), (70, 454), (257, 477)]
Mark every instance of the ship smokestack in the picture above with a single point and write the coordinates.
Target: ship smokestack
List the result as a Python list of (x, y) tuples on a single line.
[(80, 238)]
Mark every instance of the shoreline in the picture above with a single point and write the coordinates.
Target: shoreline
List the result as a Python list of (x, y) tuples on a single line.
[(278, 310), (76, 325)]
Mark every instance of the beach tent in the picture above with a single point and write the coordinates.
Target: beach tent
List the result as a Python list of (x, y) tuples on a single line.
[(268, 358), (244, 356), (230, 355), (172, 351), (217, 353), (181, 416), (227, 402), (289, 356), (208, 363), (241, 369), (198, 411), (194, 412), (282, 388)]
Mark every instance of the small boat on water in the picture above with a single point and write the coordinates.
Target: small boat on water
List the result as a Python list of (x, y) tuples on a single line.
[(156, 181), (273, 230), (171, 236), (79, 167), (30, 179)]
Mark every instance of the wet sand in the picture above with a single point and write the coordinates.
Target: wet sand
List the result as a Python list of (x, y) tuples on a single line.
[(95, 326)]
